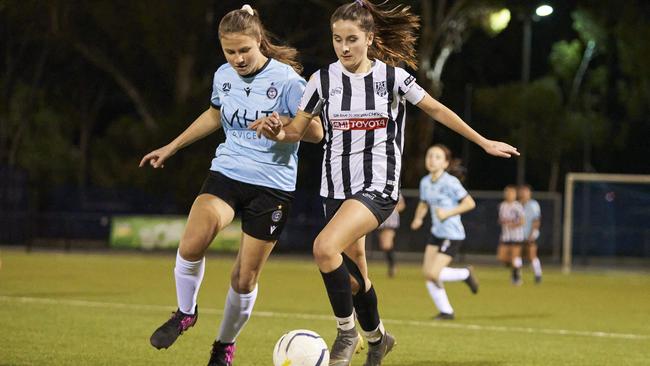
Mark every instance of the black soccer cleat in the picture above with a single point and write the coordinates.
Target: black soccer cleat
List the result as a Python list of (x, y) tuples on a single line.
[(222, 354), (444, 316), (167, 333), (471, 280), (538, 280)]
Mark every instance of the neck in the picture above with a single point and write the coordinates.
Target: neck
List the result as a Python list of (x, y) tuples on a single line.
[(260, 63), (362, 67), (435, 175)]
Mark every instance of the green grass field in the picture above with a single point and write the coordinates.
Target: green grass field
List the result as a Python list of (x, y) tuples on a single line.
[(100, 309)]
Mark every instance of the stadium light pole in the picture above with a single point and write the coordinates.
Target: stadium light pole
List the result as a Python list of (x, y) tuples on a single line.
[(528, 18)]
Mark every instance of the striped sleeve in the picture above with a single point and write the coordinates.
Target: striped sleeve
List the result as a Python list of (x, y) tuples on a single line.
[(408, 88), (311, 95), (215, 101)]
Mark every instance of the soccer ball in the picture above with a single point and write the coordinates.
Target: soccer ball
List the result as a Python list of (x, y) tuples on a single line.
[(301, 348)]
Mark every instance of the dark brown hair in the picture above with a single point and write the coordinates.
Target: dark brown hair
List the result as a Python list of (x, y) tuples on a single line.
[(394, 29), (455, 167), (241, 21)]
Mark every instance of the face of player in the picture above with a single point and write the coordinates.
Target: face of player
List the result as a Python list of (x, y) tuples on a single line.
[(510, 194), (242, 52), (524, 194), (436, 160), (350, 44)]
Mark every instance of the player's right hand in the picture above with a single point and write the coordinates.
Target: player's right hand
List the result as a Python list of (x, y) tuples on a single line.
[(157, 157), (416, 224)]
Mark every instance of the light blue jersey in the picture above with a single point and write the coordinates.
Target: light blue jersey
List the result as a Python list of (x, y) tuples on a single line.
[(244, 156), (532, 212), (445, 192)]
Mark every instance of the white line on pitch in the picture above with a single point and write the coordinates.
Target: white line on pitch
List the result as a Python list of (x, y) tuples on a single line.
[(271, 314)]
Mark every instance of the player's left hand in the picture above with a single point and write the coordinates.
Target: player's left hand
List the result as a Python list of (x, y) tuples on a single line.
[(270, 126), (500, 149)]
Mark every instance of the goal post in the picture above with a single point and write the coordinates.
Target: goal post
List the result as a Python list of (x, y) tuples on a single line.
[(614, 212)]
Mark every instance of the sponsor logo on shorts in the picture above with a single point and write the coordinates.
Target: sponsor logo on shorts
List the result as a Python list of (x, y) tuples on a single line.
[(273, 227), (359, 124), (369, 195), (276, 216)]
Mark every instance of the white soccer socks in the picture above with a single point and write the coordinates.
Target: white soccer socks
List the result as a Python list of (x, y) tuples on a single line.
[(439, 297), (537, 267), (236, 313), (448, 274), (188, 281)]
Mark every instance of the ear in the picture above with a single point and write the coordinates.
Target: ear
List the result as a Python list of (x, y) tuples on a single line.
[(371, 38)]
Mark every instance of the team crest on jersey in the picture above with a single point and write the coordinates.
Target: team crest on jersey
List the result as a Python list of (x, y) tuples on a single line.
[(276, 216), (226, 87), (271, 92), (335, 91), (380, 88)]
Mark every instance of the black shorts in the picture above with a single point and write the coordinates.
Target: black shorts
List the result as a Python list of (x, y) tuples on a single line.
[(446, 246), (264, 211), (380, 207)]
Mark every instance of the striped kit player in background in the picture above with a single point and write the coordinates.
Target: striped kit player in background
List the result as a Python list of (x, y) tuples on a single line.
[(511, 219)]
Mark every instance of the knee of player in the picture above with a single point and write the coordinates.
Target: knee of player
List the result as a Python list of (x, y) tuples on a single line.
[(431, 275), (191, 250), (244, 283), (321, 250)]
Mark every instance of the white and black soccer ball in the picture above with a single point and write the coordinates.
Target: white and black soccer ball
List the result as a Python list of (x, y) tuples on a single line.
[(301, 347)]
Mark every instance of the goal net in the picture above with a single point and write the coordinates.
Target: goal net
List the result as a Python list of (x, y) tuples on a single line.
[(606, 220)]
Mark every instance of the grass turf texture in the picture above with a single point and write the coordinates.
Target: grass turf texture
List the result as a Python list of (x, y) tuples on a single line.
[(100, 309)]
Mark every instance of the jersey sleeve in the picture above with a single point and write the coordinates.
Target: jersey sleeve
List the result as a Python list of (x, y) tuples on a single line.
[(292, 95), (457, 190), (311, 94), (408, 88), (537, 211), (215, 100), (422, 191)]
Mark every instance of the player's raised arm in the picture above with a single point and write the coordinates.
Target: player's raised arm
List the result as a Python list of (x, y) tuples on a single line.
[(446, 116), (208, 122)]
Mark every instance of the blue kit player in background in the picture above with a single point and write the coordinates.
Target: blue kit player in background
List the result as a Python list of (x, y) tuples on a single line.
[(445, 197), (250, 176), (532, 223)]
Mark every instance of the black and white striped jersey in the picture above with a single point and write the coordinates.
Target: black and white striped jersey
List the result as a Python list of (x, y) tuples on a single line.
[(364, 127)]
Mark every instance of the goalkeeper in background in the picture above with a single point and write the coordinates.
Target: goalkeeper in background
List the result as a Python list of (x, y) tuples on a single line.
[(532, 223)]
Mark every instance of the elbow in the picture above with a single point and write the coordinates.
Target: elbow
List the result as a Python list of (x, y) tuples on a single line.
[(471, 204)]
